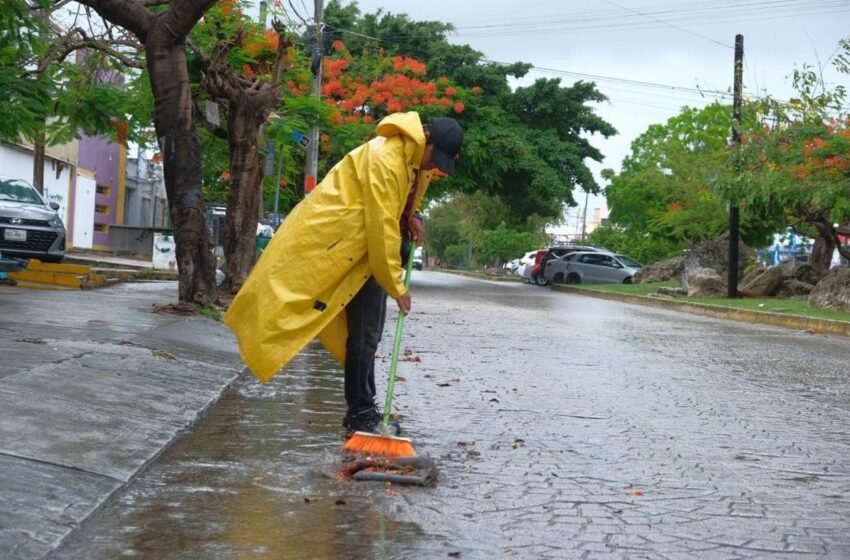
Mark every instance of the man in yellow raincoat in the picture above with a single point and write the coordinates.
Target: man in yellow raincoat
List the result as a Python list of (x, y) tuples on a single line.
[(327, 271)]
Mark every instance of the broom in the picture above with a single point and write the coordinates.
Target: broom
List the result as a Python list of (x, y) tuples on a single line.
[(383, 443)]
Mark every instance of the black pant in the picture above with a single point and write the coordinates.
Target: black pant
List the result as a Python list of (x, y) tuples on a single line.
[(366, 315)]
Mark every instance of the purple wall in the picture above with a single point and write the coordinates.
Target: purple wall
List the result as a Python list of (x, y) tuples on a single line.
[(103, 158)]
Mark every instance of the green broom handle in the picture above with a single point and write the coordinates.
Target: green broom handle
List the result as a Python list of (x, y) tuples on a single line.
[(397, 343)]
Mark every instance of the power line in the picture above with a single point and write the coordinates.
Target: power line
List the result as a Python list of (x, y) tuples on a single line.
[(694, 12), (668, 24)]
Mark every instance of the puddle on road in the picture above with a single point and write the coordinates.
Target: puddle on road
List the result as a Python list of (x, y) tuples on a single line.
[(255, 479)]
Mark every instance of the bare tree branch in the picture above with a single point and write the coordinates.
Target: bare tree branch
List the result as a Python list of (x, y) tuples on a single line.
[(128, 14), (77, 38)]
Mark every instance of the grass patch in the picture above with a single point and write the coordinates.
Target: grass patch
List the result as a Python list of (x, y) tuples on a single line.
[(631, 289), (210, 312), (796, 307)]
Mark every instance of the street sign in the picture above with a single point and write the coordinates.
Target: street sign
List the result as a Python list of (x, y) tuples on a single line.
[(301, 139), (212, 113)]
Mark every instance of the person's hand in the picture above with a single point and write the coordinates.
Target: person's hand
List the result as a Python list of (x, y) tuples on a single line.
[(404, 302), (417, 230)]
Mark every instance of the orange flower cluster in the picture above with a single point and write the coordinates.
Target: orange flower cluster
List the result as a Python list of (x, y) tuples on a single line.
[(122, 129), (296, 89), (262, 45), (333, 68), (381, 86), (228, 7), (407, 64)]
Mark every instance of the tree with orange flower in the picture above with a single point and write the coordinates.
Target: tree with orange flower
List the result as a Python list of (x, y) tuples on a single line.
[(800, 163)]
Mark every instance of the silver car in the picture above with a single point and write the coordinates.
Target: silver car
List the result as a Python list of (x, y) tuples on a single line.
[(600, 268), (29, 226)]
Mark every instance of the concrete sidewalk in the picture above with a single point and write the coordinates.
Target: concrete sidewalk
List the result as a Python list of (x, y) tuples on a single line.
[(93, 386)]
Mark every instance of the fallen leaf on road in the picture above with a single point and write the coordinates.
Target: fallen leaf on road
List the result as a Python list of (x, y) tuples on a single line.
[(633, 491), (495, 400), (164, 354), (339, 503), (454, 554), (311, 499), (400, 378), (409, 356)]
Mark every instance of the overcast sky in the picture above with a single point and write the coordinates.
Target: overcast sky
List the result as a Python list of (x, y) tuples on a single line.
[(632, 49)]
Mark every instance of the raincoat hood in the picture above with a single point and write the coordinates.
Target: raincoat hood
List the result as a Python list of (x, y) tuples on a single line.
[(406, 124)]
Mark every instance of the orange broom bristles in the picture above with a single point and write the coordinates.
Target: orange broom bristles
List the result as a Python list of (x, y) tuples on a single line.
[(376, 444)]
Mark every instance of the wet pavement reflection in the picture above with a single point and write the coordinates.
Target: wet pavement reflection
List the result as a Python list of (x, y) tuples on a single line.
[(563, 427)]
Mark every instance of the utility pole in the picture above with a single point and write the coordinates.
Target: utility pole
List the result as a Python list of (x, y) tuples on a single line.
[(732, 278), (312, 164), (584, 217)]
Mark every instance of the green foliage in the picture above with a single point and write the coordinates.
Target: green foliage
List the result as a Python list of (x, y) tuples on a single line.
[(502, 244), (676, 184), (443, 232), (26, 94), (456, 255), (62, 98), (472, 229), (643, 247)]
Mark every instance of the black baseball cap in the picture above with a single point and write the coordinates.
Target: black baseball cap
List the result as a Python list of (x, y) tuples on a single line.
[(447, 138)]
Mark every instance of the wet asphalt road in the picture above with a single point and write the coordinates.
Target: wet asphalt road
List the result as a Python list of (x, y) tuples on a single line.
[(564, 427)]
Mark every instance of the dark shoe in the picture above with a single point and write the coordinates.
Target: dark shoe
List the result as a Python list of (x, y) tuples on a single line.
[(368, 421)]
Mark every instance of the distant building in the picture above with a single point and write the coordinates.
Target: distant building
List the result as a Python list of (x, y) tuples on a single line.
[(145, 203)]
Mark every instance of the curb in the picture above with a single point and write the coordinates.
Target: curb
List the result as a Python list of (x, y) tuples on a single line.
[(817, 325)]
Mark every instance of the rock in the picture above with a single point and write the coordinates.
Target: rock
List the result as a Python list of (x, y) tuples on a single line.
[(808, 274), (670, 291), (752, 275), (793, 289), (714, 254), (833, 291), (767, 283), (660, 271), (706, 282)]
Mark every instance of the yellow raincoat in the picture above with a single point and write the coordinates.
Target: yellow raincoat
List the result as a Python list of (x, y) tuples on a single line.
[(346, 230)]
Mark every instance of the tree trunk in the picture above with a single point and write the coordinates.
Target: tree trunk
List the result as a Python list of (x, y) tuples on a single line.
[(166, 60), (38, 150), (244, 197), (821, 258)]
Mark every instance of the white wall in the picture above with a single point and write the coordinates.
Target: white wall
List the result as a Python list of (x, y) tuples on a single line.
[(17, 162)]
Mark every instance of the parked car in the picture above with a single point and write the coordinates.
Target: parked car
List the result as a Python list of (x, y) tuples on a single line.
[(539, 272), (556, 269), (29, 226), (600, 268), (418, 261), (517, 266)]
